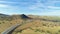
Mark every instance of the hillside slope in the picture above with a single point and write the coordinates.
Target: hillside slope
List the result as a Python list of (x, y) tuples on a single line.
[(31, 24)]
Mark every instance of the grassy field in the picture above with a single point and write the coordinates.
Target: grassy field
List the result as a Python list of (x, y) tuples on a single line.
[(39, 26), (35, 25)]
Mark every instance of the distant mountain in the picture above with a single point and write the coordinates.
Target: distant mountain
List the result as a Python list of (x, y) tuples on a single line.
[(3, 15), (12, 17), (23, 16)]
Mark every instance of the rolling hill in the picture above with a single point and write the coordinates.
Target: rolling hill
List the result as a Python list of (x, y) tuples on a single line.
[(31, 24)]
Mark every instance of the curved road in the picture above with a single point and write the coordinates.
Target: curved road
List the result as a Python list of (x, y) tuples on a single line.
[(10, 29)]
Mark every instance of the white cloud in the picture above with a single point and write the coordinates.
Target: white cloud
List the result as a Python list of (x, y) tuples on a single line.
[(50, 4), (37, 5), (6, 2), (3, 5), (51, 13), (53, 7)]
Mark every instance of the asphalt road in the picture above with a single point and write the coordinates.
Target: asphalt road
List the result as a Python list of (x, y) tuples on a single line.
[(8, 31)]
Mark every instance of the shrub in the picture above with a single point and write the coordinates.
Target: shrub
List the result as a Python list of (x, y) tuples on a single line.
[(10, 23), (59, 31), (44, 24), (56, 33), (0, 23), (37, 30), (3, 22), (31, 28), (48, 31), (42, 30)]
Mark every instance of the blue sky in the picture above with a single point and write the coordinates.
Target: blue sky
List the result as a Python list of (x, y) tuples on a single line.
[(35, 7)]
